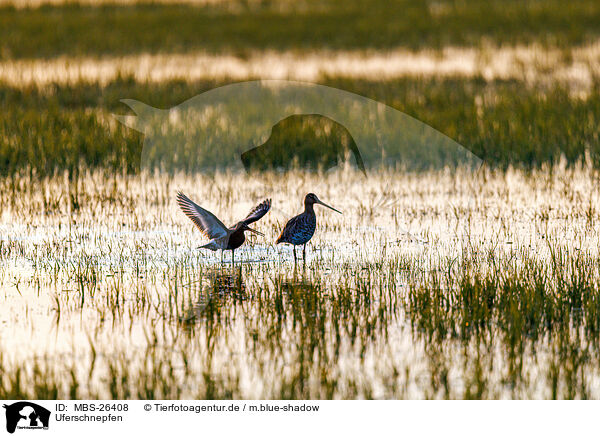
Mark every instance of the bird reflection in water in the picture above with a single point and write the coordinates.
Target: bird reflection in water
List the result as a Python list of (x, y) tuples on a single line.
[(218, 287)]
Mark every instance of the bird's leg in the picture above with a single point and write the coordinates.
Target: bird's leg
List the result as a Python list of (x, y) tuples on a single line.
[(295, 259), (304, 253), (232, 258)]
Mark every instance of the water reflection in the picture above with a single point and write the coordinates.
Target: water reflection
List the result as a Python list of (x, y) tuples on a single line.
[(218, 285)]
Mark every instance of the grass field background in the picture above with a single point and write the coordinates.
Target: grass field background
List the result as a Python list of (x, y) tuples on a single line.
[(242, 27), (433, 284), (49, 127)]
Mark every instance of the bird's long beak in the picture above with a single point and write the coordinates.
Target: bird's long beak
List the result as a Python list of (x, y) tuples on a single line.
[(255, 231), (326, 205)]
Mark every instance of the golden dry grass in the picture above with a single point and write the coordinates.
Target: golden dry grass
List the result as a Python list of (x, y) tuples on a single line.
[(575, 67)]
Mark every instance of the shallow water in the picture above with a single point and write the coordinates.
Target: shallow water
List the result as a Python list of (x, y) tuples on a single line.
[(121, 304)]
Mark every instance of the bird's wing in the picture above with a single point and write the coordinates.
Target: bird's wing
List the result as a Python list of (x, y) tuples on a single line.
[(258, 212), (289, 229), (204, 220)]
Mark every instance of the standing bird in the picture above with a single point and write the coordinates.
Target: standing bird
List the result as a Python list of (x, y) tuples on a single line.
[(221, 237), (301, 228)]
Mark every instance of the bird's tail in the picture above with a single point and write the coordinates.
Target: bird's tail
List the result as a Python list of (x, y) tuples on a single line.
[(211, 246)]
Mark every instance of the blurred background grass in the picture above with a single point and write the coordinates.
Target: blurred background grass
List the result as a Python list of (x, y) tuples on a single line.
[(49, 127), (241, 27)]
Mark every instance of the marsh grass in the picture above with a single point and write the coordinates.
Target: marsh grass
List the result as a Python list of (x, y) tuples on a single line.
[(431, 285), (487, 288), (45, 131), (242, 27)]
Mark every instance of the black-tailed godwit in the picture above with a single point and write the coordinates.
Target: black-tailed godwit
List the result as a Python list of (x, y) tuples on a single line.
[(301, 228), (221, 237)]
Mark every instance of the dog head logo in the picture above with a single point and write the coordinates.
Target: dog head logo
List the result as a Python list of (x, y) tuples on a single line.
[(305, 141), (263, 124), (26, 415)]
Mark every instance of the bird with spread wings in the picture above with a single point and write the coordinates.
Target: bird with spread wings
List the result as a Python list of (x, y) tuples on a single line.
[(221, 237)]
